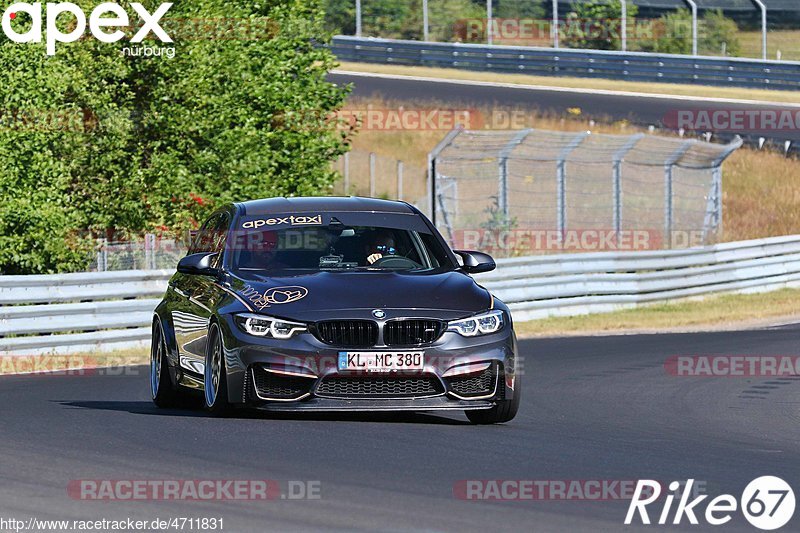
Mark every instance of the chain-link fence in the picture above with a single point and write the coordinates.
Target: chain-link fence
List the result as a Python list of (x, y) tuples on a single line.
[(533, 191), (150, 253), (378, 176)]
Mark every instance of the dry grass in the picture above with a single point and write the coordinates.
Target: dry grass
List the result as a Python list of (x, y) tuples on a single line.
[(73, 363), (730, 311), (579, 83), (787, 41), (761, 195)]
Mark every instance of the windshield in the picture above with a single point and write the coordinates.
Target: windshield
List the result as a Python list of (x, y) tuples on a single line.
[(337, 247)]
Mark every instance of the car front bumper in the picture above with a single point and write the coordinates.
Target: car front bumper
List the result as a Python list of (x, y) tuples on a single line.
[(301, 374)]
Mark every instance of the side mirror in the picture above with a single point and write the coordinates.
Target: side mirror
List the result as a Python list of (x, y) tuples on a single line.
[(198, 264), (476, 262)]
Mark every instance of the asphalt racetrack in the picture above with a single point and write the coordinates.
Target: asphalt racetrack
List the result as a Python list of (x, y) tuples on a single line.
[(640, 110), (594, 408)]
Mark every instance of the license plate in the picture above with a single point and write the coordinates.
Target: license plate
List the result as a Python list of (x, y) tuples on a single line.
[(380, 361)]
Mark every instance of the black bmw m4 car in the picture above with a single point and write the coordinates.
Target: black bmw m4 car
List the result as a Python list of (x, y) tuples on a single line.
[(332, 304)]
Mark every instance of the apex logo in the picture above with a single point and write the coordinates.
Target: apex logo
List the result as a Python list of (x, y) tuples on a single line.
[(107, 15)]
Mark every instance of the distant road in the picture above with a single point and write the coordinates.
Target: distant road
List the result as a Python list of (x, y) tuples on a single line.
[(639, 109)]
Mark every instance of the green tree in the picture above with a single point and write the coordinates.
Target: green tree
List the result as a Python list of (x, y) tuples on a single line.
[(673, 34), (340, 17), (596, 24), (389, 19), (92, 141), (457, 20), (719, 33), (519, 9)]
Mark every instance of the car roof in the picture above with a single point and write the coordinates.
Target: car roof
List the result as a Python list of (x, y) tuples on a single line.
[(341, 204)]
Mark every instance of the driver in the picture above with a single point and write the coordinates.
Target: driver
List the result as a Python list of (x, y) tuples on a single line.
[(260, 250), (381, 245)]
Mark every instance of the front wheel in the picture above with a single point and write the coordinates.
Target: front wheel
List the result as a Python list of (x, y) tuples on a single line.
[(162, 390), (216, 381), (503, 411)]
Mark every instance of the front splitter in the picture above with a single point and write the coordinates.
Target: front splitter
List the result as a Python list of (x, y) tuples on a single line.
[(365, 405)]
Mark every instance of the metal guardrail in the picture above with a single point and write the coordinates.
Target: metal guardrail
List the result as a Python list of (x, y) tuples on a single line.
[(573, 284), (632, 66), (72, 313), (69, 313)]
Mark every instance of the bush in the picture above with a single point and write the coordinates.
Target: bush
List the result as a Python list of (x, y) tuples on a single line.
[(719, 33), (519, 9), (674, 34), (595, 24)]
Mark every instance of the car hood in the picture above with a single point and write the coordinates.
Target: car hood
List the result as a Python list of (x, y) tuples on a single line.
[(324, 295)]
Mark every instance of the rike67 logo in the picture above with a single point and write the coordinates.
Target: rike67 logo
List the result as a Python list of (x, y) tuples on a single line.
[(767, 503), (102, 21)]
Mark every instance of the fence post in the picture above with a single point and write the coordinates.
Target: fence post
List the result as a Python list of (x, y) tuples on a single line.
[(444, 143), (102, 255), (561, 182), (502, 166), (445, 219), (372, 174), (425, 26), (718, 198), (617, 181), (399, 180), (489, 36), (763, 9), (358, 18), (668, 207), (624, 24), (713, 218), (554, 24), (149, 251), (346, 173), (693, 5)]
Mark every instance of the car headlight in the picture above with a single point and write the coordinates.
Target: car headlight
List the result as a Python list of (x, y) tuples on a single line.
[(482, 324), (267, 326)]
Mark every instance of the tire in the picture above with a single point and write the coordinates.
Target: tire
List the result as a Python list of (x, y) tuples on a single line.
[(215, 377), (503, 411), (162, 390)]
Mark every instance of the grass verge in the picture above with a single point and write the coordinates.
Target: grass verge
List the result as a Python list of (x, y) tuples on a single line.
[(785, 41), (728, 311), (699, 91), (75, 364)]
